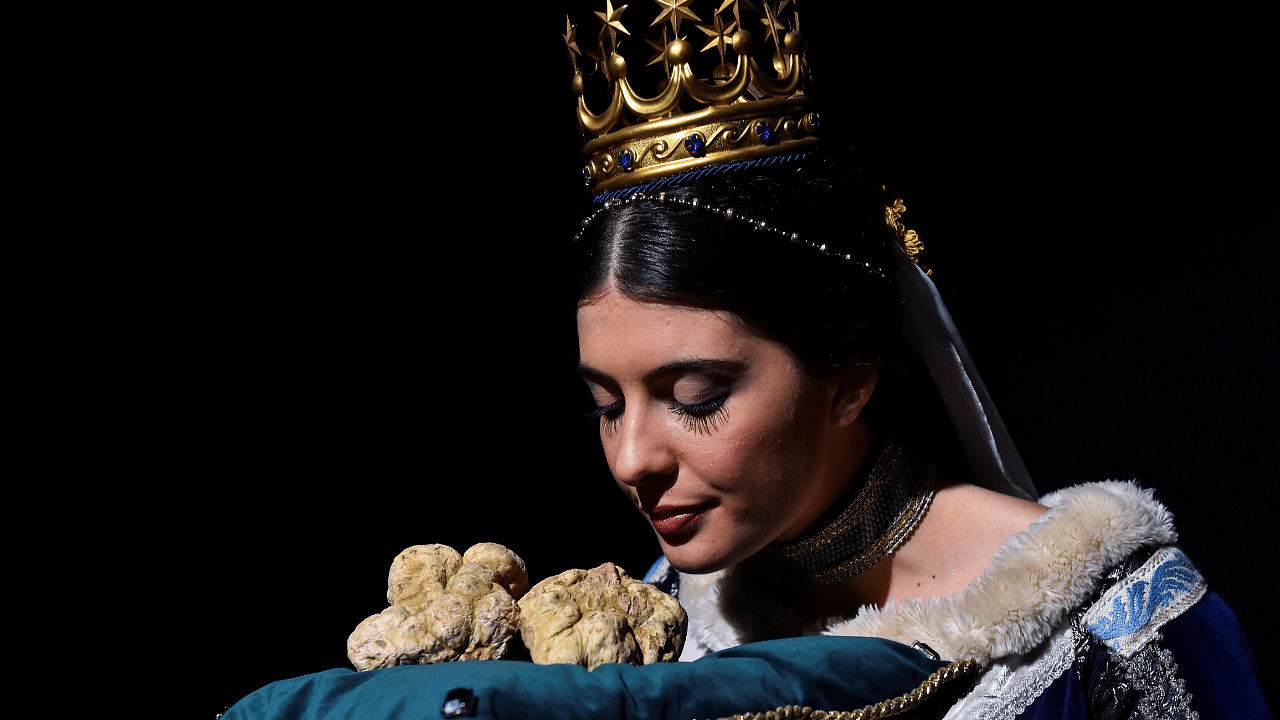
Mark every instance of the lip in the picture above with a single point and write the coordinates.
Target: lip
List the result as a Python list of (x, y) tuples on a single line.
[(672, 519)]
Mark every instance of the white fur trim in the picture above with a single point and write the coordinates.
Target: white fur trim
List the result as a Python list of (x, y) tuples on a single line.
[(1035, 580)]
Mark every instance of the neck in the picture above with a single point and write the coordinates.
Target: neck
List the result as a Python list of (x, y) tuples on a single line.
[(867, 525), (854, 451)]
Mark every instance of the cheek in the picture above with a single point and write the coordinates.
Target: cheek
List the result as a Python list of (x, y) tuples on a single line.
[(763, 457), (793, 448)]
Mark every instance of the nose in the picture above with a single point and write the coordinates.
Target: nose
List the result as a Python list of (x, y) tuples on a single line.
[(641, 451)]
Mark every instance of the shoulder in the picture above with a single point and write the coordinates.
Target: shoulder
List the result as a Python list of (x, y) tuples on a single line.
[(954, 543), (978, 515), (1037, 578), (978, 500)]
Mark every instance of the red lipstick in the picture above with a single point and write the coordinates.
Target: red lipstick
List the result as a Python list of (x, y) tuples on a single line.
[(669, 519)]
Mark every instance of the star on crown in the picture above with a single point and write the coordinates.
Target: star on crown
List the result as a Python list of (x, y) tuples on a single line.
[(741, 111)]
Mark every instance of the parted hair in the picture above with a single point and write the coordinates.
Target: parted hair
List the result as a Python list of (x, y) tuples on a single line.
[(829, 313)]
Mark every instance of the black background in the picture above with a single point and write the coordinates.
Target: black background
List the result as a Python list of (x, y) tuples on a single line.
[(362, 337)]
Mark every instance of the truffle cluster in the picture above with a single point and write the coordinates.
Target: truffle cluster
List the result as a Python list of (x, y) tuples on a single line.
[(592, 617), (444, 606)]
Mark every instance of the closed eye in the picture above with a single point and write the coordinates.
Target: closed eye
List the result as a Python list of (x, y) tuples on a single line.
[(603, 390), (684, 378), (701, 417), (609, 412)]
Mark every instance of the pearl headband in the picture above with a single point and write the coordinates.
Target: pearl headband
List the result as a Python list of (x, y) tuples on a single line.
[(728, 214)]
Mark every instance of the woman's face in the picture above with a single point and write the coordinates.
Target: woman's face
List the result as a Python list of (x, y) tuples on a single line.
[(712, 430)]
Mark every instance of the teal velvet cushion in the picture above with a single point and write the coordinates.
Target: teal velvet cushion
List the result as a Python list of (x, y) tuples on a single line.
[(826, 673)]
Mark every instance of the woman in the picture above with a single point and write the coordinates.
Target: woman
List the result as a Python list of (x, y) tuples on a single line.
[(746, 343), (783, 396)]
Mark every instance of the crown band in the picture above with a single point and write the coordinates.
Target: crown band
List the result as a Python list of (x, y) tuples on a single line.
[(699, 173), (660, 148)]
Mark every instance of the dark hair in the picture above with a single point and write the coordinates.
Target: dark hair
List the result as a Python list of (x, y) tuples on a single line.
[(828, 313)]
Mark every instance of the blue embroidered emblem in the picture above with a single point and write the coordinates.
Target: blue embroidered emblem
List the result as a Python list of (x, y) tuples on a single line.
[(1128, 615)]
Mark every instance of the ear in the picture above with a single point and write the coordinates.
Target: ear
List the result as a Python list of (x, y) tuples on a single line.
[(853, 390)]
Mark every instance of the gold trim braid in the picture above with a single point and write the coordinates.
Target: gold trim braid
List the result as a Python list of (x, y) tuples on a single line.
[(883, 709)]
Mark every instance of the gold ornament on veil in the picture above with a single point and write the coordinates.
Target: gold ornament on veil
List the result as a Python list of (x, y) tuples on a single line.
[(742, 112), (906, 237)]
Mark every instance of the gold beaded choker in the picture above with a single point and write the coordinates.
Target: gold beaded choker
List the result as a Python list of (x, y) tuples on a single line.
[(879, 518)]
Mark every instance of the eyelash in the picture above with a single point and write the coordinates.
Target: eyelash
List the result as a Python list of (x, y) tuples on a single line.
[(610, 412), (699, 418)]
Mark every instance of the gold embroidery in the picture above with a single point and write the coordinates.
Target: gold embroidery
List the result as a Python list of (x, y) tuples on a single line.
[(886, 708)]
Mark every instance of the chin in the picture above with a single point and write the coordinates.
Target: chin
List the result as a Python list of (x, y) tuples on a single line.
[(696, 568), (696, 561)]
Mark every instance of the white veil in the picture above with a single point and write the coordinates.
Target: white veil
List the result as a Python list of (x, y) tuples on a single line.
[(929, 330)]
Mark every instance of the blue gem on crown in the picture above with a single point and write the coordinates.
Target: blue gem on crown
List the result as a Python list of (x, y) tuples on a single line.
[(695, 144), (627, 160)]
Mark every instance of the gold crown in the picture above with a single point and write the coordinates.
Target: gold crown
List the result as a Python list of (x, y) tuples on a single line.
[(742, 112)]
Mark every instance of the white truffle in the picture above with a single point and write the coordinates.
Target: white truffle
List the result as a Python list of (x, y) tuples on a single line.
[(444, 606), (418, 574), (509, 570), (592, 617)]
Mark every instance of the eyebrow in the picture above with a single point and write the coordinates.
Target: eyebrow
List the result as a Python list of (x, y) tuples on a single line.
[(709, 367)]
